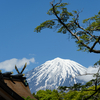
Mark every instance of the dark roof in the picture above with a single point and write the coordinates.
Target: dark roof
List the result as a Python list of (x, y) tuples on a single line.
[(11, 94), (15, 86)]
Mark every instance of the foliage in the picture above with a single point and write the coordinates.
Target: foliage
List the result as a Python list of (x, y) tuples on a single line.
[(28, 98), (97, 63), (35, 96), (68, 22), (75, 87), (48, 95), (82, 95), (71, 95)]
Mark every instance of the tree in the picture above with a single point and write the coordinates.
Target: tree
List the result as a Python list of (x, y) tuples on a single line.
[(66, 22), (28, 98), (48, 95)]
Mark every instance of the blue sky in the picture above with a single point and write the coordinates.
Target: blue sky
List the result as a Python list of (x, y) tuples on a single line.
[(19, 43)]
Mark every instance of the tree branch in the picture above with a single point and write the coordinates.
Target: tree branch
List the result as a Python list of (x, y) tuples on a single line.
[(75, 35), (64, 23), (94, 44), (82, 28), (92, 94)]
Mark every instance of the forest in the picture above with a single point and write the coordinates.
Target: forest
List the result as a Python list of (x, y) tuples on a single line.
[(77, 92)]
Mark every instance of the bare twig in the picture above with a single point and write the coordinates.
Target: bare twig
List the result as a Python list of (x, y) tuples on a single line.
[(56, 3)]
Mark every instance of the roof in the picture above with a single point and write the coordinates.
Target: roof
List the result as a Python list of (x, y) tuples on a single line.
[(19, 88), (14, 87), (6, 93)]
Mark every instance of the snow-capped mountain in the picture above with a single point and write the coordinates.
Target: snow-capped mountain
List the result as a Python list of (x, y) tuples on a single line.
[(54, 73)]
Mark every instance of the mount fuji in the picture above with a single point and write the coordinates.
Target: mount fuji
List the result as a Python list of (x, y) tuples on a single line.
[(54, 73)]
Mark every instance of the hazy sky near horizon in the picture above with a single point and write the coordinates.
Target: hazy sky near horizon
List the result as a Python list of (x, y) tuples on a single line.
[(20, 44)]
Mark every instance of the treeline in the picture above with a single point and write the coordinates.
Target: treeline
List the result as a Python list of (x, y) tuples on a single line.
[(76, 92)]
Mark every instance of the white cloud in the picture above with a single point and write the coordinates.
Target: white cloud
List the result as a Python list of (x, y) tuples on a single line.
[(9, 65), (88, 77)]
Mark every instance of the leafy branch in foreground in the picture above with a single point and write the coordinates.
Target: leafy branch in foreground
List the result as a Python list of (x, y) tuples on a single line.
[(68, 22)]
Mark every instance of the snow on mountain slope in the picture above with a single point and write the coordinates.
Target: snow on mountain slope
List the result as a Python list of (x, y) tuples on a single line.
[(54, 73)]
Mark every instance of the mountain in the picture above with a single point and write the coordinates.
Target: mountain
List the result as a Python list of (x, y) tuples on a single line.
[(54, 73)]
